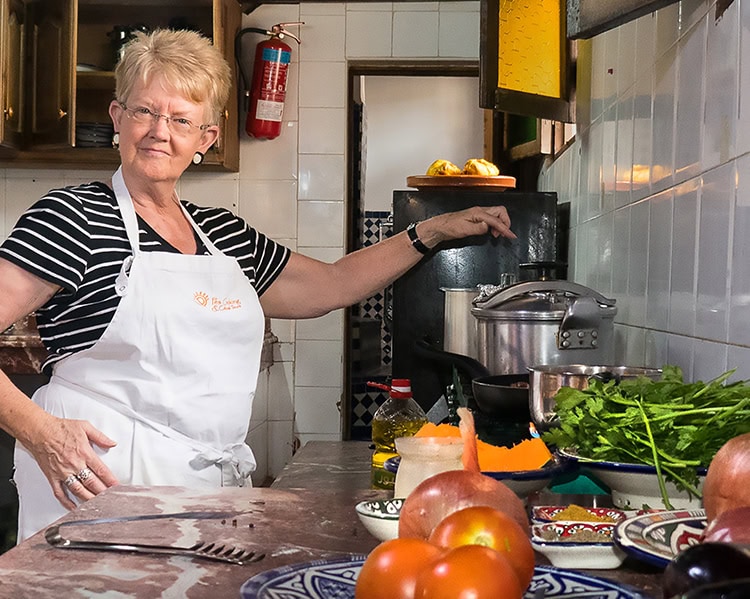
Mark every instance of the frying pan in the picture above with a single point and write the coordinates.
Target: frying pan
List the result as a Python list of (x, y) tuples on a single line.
[(494, 394), (499, 396)]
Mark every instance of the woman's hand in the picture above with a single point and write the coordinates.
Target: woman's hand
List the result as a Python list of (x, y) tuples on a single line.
[(472, 221), (65, 454)]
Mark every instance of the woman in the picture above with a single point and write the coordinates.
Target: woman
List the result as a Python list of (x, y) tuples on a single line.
[(152, 308)]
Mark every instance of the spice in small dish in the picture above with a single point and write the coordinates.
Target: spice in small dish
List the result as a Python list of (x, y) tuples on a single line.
[(580, 514), (577, 513)]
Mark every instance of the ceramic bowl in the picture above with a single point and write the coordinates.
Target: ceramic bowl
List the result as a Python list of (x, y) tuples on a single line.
[(561, 543), (636, 486), (525, 482), (380, 518), (549, 513)]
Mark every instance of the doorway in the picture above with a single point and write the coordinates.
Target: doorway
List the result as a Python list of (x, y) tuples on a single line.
[(401, 117)]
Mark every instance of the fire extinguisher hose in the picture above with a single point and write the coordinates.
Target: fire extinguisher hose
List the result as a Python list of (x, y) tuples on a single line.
[(238, 54)]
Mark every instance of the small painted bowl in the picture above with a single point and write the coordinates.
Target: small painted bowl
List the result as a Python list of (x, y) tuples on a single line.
[(550, 513), (380, 518), (578, 545)]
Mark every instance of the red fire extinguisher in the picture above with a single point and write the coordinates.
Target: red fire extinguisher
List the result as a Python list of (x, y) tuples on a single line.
[(268, 90)]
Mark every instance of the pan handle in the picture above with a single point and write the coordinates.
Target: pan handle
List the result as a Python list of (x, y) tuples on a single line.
[(607, 376), (470, 367)]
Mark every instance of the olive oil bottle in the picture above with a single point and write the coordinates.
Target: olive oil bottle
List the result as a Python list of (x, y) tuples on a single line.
[(399, 416)]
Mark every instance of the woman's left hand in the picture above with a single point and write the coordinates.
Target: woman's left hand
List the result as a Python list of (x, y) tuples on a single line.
[(472, 221)]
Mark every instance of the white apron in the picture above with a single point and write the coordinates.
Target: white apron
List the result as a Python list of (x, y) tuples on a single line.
[(171, 380)]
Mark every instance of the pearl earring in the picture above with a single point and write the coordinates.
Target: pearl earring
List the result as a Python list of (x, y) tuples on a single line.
[(198, 157), (116, 141)]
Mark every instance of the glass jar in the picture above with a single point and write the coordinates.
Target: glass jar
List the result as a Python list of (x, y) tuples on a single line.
[(423, 457)]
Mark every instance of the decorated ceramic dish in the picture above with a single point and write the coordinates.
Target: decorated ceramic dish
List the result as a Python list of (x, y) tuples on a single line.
[(335, 579), (586, 545), (380, 518), (636, 486), (656, 538)]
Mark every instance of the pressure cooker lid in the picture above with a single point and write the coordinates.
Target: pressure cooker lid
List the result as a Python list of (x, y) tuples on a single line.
[(538, 300)]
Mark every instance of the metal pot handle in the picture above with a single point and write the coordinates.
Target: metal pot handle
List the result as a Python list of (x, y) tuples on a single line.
[(491, 297)]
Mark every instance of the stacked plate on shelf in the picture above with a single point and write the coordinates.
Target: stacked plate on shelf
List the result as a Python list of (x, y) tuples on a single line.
[(94, 135)]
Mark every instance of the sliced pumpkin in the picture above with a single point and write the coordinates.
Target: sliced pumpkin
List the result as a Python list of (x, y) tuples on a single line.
[(529, 454)]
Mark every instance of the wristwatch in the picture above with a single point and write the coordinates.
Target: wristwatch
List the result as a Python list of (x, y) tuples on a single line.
[(411, 231)]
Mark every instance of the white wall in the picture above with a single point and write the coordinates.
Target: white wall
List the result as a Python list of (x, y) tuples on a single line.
[(292, 188), (670, 97), (409, 122)]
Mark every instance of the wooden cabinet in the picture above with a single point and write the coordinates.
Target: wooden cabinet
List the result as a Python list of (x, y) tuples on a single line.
[(11, 74), (57, 59)]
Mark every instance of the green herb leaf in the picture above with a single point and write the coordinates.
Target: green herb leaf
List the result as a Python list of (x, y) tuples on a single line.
[(669, 424)]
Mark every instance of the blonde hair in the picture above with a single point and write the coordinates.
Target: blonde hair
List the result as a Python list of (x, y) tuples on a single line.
[(188, 62)]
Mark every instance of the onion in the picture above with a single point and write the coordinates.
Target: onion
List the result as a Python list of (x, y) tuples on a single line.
[(730, 526), (727, 483), (447, 492)]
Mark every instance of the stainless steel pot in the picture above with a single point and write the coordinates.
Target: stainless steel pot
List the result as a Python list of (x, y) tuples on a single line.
[(459, 325), (546, 380), (543, 322)]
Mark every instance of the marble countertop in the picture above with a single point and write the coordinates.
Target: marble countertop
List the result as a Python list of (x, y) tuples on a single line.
[(307, 514), (288, 526), (21, 349)]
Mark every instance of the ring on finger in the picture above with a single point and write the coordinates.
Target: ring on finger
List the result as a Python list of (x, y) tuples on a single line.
[(70, 481), (84, 475)]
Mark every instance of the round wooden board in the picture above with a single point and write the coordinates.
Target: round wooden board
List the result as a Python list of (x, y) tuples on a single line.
[(500, 182)]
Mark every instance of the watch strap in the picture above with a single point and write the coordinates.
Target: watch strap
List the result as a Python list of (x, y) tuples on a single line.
[(411, 231)]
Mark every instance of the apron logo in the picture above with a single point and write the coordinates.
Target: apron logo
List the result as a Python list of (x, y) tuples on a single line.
[(217, 304), (201, 298)]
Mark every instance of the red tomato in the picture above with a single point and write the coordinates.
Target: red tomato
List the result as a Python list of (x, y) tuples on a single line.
[(391, 569), (469, 572), (483, 525)]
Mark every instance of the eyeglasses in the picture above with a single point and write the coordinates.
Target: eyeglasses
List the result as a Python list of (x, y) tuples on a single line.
[(177, 124)]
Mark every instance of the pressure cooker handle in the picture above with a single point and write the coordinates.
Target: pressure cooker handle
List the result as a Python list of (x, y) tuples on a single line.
[(489, 298)]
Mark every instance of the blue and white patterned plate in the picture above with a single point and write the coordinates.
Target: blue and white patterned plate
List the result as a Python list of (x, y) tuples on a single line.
[(657, 538), (335, 579)]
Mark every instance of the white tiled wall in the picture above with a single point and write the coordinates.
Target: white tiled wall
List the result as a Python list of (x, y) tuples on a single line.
[(672, 247), (293, 188)]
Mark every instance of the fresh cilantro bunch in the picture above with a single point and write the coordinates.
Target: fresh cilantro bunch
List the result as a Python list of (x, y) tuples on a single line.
[(675, 426)]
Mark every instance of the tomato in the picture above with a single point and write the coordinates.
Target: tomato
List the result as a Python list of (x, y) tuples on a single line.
[(391, 569), (483, 525), (469, 572)]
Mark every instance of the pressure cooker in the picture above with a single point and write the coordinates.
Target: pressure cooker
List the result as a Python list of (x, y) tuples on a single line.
[(549, 322)]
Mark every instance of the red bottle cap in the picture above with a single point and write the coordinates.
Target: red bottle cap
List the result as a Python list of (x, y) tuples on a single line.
[(401, 388)]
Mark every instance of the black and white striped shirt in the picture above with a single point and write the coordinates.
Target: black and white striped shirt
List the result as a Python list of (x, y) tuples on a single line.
[(75, 237)]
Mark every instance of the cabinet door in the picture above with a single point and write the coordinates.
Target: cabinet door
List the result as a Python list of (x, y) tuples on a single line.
[(12, 57), (227, 19), (52, 59)]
